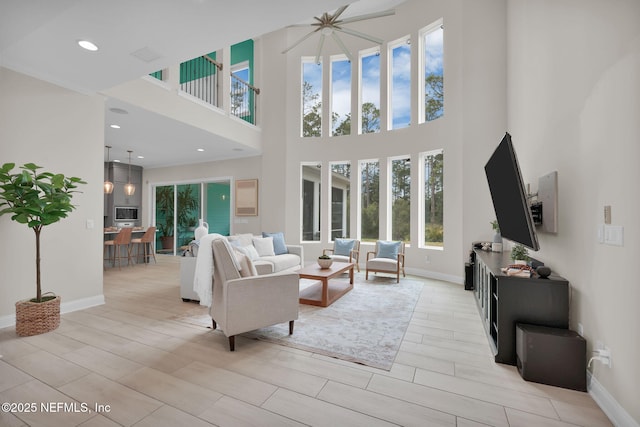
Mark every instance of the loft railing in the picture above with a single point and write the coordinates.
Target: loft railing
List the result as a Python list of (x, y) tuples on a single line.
[(243, 99), (199, 78)]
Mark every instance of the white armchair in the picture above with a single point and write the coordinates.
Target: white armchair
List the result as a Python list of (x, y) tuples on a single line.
[(242, 304), (388, 257), (345, 250)]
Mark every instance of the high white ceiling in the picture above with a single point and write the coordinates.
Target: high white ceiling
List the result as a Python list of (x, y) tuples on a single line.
[(39, 38)]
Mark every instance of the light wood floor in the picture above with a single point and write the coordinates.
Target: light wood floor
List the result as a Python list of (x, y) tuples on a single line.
[(153, 371)]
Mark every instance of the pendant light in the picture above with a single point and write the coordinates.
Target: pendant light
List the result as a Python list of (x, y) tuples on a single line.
[(129, 188), (108, 185)]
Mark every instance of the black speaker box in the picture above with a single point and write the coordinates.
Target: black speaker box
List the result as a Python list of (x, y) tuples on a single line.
[(468, 276), (551, 356)]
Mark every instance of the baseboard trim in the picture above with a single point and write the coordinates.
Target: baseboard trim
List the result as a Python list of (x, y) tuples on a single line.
[(609, 405), (65, 307), (435, 275)]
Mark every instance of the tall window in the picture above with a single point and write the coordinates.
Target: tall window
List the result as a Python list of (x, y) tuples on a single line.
[(369, 200), (370, 92), (340, 200), (311, 98), (401, 198), (311, 176), (433, 164), (400, 84), (340, 96), (432, 66)]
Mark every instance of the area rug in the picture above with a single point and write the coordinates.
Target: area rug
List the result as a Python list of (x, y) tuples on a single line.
[(365, 326)]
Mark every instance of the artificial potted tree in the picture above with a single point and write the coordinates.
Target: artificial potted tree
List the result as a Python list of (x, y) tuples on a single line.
[(36, 199), (164, 207)]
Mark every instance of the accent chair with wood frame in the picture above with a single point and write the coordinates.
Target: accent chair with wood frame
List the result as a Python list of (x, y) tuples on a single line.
[(345, 250), (387, 257)]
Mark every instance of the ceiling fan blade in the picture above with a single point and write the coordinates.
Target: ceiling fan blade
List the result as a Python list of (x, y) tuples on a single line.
[(342, 46), (359, 34), (319, 51), (367, 16), (338, 12), (299, 41)]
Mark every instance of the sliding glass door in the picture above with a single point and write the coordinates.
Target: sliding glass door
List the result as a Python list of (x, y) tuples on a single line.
[(179, 207)]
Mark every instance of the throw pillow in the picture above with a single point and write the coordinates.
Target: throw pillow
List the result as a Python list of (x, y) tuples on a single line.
[(388, 249), (249, 251), (241, 239), (244, 262), (343, 246), (279, 246), (264, 246)]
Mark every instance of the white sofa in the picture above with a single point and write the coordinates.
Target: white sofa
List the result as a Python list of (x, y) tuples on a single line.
[(265, 262)]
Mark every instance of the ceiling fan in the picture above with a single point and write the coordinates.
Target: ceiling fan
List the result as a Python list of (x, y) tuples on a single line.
[(330, 25)]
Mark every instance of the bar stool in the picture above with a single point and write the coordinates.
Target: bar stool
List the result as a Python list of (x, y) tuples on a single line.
[(123, 238), (146, 241)]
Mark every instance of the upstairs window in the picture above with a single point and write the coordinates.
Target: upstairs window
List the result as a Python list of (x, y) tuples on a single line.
[(311, 98), (400, 83), (340, 96), (370, 91), (433, 72)]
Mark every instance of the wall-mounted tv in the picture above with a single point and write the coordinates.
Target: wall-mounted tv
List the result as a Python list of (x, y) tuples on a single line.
[(510, 200)]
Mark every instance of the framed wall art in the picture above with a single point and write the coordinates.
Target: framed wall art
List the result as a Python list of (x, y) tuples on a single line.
[(247, 197)]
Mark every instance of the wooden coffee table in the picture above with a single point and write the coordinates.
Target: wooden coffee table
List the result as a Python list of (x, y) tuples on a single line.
[(325, 296)]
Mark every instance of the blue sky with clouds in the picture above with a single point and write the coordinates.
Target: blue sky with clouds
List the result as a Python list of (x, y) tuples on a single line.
[(400, 78)]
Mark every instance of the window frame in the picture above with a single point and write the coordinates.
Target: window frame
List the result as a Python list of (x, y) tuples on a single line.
[(434, 26), (362, 54), (421, 209), (333, 59), (310, 60), (391, 46)]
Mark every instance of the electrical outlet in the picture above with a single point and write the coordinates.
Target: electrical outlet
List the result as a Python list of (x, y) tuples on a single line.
[(427, 260), (606, 353)]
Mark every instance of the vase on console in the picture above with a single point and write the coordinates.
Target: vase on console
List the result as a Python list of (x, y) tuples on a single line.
[(202, 229)]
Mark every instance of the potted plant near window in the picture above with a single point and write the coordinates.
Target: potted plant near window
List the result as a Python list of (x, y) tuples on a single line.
[(36, 199), (519, 254), (187, 203)]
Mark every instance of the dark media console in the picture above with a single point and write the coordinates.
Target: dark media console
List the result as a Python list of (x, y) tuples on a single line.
[(504, 301)]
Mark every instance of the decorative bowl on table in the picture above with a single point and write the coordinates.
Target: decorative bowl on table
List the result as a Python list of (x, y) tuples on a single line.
[(325, 262)]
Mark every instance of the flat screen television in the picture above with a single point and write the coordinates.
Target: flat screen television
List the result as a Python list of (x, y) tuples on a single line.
[(510, 199)]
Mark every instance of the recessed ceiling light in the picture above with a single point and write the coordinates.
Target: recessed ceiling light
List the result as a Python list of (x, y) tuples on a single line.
[(238, 149), (118, 110), (115, 126), (141, 157), (86, 44), (116, 160), (200, 149)]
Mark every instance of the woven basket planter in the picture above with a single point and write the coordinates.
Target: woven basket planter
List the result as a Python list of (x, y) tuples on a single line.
[(33, 318)]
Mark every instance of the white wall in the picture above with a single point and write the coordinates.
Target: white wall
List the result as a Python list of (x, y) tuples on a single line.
[(63, 132), (573, 85)]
